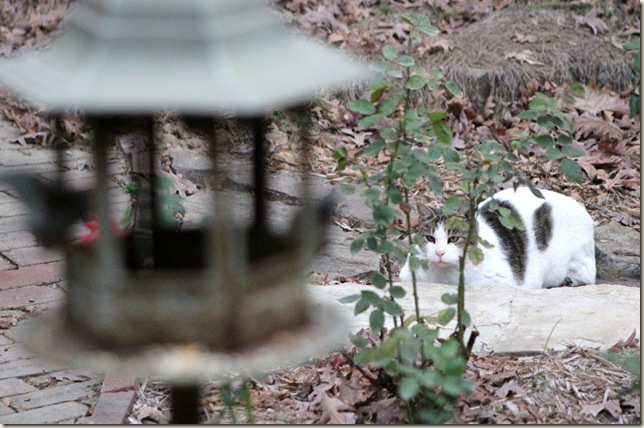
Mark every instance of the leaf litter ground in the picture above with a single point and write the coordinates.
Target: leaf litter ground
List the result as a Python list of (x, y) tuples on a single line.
[(576, 385)]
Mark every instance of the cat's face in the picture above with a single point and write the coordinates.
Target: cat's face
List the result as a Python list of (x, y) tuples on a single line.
[(443, 246)]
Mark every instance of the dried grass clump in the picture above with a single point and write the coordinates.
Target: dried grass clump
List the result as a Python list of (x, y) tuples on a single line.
[(510, 47)]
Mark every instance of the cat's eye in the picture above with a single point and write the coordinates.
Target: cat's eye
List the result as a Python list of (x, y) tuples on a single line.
[(453, 239), (430, 238)]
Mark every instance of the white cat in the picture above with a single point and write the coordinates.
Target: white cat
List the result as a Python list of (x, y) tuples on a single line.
[(555, 248)]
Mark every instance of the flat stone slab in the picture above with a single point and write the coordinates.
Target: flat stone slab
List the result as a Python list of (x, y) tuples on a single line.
[(516, 320), (50, 414)]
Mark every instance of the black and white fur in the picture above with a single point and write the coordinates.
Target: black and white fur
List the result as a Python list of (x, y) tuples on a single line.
[(555, 248)]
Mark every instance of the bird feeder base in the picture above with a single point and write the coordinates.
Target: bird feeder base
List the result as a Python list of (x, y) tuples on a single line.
[(190, 362), (123, 308)]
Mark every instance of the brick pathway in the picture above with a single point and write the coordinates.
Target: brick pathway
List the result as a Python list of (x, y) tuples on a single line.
[(34, 390)]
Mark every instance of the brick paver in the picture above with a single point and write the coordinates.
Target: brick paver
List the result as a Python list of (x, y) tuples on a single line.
[(33, 389)]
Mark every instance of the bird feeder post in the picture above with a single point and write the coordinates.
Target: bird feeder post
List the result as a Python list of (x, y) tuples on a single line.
[(230, 296)]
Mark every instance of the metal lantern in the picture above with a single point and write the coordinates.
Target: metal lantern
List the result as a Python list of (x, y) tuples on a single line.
[(228, 296)]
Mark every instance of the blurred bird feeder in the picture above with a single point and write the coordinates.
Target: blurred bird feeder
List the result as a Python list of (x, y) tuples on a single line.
[(228, 297)]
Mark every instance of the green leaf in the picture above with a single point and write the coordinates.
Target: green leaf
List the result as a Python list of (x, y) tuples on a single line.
[(449, 299), (394, 72), (406, 61), (377, 94), (376, 320), (384, 247), (359, 341), (379, 281), (553, 153), (452, 205), (511, 222), (341, 156), (380, 66), (538, 104), (436, 184), (544, 141), (485, 243), (409, 349), (572, 170), (453, 89), (451, 156), (408, 388), (637, 64), (371, 296), (465, 317), (632, 44), (415, 82), (357, 245), (443, 132), (374, 148), (429, 29), (476, 255), (425, 26), (395, 196), (571, 151), (397, 291), (634, 106), (390, 52), (376, 356), (392, 308), (446, 315), (364, 107), (528, 115), (536, 192), (349, 299), (436, 116), (383, 215), (361, 306), (410, 20), (370, 121), (388, 107)]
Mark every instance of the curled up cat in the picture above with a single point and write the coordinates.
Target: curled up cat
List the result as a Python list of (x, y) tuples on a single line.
[(555, 247)]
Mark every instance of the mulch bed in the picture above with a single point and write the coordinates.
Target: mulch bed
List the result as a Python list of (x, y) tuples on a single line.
[(571, 386)]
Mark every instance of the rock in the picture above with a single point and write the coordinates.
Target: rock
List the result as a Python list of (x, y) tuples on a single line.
[(619, 241), (516, 320), (194, 166), (337, 260), (199, 206)]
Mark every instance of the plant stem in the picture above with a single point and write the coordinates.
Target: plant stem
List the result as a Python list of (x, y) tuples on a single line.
[(248, 403), (411, 243)]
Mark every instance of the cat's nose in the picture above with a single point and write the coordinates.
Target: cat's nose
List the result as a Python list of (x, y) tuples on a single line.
[(440, 253)]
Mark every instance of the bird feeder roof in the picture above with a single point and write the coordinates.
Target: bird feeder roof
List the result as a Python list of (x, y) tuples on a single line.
[(194, 56)]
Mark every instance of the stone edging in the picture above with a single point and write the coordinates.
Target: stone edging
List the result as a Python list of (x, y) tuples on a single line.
[(115, 400)]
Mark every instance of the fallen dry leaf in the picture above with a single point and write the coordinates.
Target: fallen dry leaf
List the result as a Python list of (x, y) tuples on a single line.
[(631, 342), (9, 321), (333, 411), (179, 184), (596, 100), (592, 409), (152, 413), (586, 126), (591, 21), (511, 387), (525, 55), (70, 376), (520, 38), (613, 407)]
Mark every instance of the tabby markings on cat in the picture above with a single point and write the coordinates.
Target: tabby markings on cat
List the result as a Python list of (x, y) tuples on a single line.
[(555, 247)]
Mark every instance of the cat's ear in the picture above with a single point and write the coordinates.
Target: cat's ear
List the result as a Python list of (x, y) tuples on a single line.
[(425, 211)]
